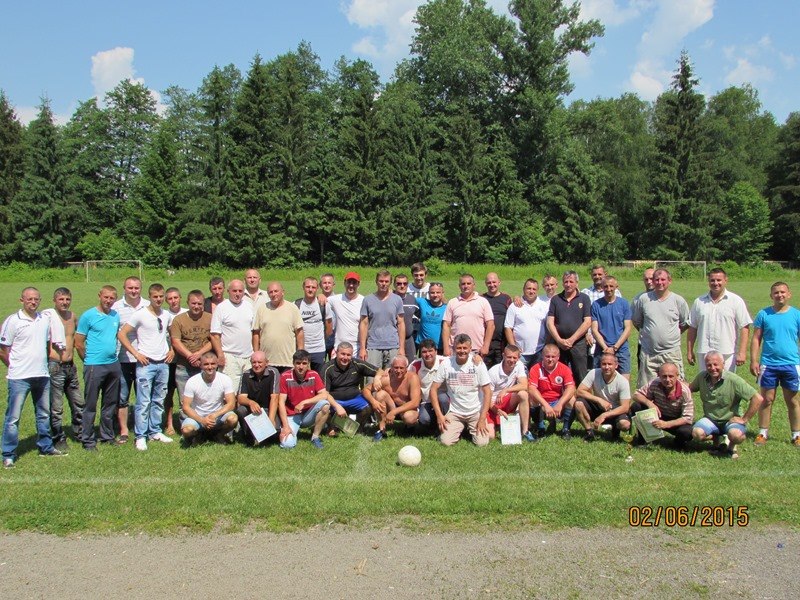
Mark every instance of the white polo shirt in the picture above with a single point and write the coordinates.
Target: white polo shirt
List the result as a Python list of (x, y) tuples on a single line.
[(208, 397), (348, 315), (500, 380), (125, 312), (152, 337), (718, 323), (529, 324), (426, 375), (27, 340), (234, 324)]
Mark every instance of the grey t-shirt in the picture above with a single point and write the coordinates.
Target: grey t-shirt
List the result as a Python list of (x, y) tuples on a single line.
[(382, 315), (614, 392), (660, 322)]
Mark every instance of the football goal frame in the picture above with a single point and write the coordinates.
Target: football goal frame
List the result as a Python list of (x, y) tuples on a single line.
[(90, 266)]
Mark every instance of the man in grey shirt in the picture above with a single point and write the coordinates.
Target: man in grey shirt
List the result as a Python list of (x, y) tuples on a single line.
[(661, 316), (382, 325)]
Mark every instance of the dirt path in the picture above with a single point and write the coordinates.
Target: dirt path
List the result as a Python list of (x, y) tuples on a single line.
[(394, 563)]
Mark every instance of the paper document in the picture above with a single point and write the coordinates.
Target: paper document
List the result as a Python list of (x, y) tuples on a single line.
[(348, 426), (644, 425), (510, 430), (260, 426)]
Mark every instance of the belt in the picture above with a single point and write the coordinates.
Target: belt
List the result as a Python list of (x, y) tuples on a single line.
[(64, 363)]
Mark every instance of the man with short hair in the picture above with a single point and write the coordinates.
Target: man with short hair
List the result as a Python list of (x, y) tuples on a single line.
[(551, 389), (232, 333), (499, 301), (550, 286), (568, 320), (611, 326), (216, 286), (345, 310), (722, 393), (208, 402), (153, 353), (326, 284), (509, 383), (96, 344), (672, 400), (173, 299), (126, 306), (253, 292), (603, 396), (303, 402), (718, 321), (190, 335), (419, 288), (470, 314), (315, 325), (426, 367), (776, 335), (382, 327), (344, 380), (526, 325), (431, 315), (400, 394), (470, 395), (24, 340), (63, 372), (258, 391), (278, 328), (411, 313), (661, 316)]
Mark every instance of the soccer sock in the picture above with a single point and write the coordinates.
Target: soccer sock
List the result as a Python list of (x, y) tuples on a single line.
[(566, 417), (763, 431), (795, 435)]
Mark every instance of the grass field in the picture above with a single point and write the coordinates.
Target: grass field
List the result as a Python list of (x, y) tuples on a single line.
[(355, 481)]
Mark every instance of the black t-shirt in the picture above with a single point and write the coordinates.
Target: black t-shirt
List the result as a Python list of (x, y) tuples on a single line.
[(499, 304), (345, 384), (569, 316), (261, 388)]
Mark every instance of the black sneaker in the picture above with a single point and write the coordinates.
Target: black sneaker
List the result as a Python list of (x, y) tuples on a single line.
[(589, 437), (61, 446), (566, 435), (52, 452)]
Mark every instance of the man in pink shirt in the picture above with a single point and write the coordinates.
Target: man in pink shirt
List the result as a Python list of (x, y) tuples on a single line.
[(471, 314)]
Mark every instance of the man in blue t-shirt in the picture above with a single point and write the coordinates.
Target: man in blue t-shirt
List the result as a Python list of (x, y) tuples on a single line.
[(611, 327), (777, 331), (96, 344), (431, 315)]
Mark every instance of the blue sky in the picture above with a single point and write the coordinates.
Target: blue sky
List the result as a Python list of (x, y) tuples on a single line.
[(72, 51)]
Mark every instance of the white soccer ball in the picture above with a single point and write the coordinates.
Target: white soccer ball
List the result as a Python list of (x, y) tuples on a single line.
[(409, 456)]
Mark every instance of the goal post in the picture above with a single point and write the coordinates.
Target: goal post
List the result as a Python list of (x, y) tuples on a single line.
[(683, 269), (111, 270)]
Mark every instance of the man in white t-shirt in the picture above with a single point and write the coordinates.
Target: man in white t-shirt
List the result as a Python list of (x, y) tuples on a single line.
[(253, 292), (315, 326), (426, 367), (153, 353), (604, 396), (207, 404), (509, 382), (526, 323), (470, 395), (232, 333), (346, 310)]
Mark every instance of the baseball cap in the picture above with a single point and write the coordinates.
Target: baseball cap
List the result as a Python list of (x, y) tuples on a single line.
[(353, 275)]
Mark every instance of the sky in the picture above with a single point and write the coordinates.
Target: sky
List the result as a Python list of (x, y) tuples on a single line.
[(70, 52)]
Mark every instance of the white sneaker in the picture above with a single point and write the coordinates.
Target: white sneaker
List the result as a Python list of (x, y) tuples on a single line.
[(160, 437), (141, 444)]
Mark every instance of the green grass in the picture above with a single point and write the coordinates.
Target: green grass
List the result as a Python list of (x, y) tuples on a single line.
[(356, 482)]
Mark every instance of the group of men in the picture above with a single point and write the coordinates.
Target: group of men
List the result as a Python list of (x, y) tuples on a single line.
[(481, 357)]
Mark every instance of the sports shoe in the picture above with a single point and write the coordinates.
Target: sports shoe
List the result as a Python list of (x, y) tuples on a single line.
[(317, 443), (566, 435), (141, 444), (61, 445), (379, 435), (8, 463), (761, 440), (590, 436), (91, 448), (529, 437), (160, 437), (52, 452)]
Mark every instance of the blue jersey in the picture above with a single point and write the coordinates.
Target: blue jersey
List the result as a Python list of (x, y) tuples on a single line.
[(780, 333), (430, 318), (611, 318), (100, 330)]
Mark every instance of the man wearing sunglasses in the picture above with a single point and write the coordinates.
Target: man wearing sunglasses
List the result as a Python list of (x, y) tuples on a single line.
[(153, 353)]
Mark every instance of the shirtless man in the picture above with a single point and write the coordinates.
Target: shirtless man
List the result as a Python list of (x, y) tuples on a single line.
[(400, 393), (64, 374)]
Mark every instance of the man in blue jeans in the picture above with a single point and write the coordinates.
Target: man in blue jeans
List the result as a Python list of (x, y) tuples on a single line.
[(153, 355), (24, 341)]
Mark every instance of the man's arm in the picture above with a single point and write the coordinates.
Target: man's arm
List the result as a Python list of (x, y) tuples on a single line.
[(487, 337), (626, 333), (551, 329), (741, 354), (755, 403), (581, 331), (122, 336), (691, 336), (4, 354), (286, 431), (79, 345), (255, 340), (566, 396), (584, 392), (509, 333), (300, 338), (486, 390), (448, 351), (363, 327), (755, 350), (216, 345), (401, 334)]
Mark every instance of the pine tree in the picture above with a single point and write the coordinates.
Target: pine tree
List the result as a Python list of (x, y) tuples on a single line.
[(12, 155)]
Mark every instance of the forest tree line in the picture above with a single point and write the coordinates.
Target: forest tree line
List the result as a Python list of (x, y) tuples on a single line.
[(469, 154)]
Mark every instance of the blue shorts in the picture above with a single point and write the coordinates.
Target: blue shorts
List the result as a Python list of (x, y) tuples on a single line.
[(354, 405), (785, 376), (187, 422), (710, 427), (623, 359)]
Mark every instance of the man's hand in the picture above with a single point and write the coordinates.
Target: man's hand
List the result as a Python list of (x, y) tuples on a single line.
[(605, 405), (208, 422), (254, 407), (340, 412), (285, 433), (738, 420), (362, 353), (548, 411), (379, 408), (599, 421), (221, 361), (442, 422), (141, 359), (755, 368), (741, 358), (483, 428), (690, 358)]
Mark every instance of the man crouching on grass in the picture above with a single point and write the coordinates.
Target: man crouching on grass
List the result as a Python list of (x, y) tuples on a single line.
[(470, 393), (207, 404), (401, 394)]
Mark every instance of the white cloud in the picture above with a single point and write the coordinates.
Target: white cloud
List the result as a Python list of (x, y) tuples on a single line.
[(788, 60), (579, 64), (392, 21), (26, 114), (109, 67), (747, 72), (609, 12), (649, 79)]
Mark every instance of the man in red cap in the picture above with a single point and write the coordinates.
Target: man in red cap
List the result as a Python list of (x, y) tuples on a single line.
[(346, 310)]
